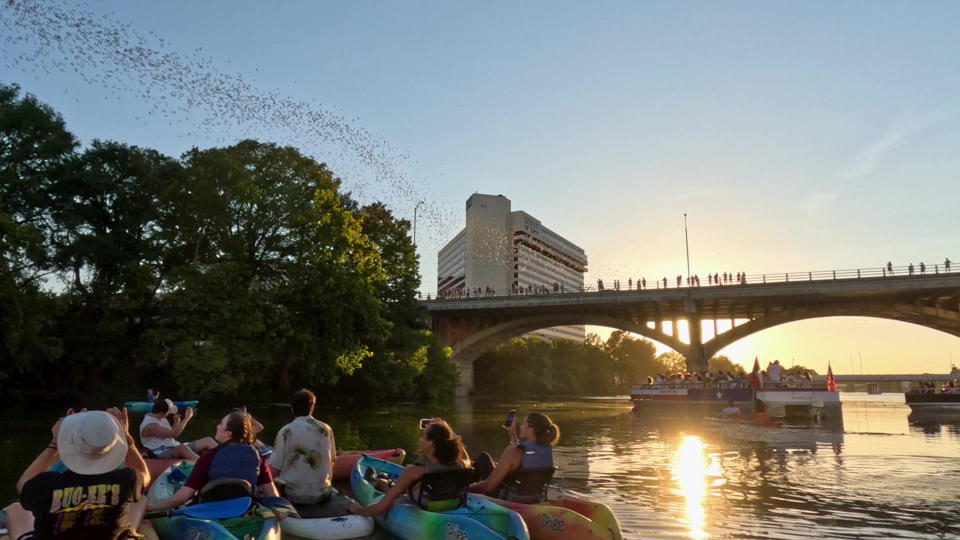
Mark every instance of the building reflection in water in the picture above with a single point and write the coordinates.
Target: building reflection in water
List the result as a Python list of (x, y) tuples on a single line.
[(690, 472)]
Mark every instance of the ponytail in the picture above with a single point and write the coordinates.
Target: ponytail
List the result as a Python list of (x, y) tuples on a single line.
[(544, 429)]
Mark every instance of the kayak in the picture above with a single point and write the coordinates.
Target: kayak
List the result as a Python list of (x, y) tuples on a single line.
[(327, 521), (479, 519), (143, 407), (744, 421), (345, 461), (566, 515), (156, 466), (261, 525)]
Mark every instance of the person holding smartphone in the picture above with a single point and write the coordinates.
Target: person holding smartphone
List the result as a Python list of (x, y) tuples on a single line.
[(531, 447), (440, 450)]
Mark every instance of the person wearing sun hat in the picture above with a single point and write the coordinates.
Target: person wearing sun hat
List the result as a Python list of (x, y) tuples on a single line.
[(99, 496)]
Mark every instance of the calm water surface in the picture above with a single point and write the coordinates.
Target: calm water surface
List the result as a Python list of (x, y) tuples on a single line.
[(876, 474)]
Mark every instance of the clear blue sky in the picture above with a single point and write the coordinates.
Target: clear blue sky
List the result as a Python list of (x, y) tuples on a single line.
[(812, 135)]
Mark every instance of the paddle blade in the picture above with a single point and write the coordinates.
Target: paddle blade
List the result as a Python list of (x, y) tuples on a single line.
[(211, 510)]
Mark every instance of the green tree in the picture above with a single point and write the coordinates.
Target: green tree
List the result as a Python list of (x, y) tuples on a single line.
[(408, 357), (110, 212), (633, 359), (34, 144), (673, 362), (723, 363), (276, 258)]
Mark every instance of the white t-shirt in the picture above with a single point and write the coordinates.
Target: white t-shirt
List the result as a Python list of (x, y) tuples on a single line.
[(731, 411), (305, 453), (152, 443), (774, 372)]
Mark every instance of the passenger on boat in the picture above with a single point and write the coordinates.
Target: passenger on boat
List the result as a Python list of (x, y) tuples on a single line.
[(730, 411), (235, 462), (159, 437), (533, 457), (441, 450), (304, 453), (98, 497)]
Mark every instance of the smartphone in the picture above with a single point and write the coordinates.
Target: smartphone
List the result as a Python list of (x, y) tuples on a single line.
[(511, 416), (424, 422)]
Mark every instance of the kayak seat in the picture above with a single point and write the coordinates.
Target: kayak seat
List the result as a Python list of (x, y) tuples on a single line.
[(527, 485), (222, 489), (443, 491)]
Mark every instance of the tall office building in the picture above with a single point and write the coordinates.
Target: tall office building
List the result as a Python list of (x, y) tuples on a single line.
[(510, 252)]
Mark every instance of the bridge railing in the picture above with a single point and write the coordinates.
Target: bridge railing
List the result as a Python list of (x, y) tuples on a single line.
[(707, 280)]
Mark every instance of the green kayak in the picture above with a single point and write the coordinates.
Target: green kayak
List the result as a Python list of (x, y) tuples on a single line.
[(258, 524)]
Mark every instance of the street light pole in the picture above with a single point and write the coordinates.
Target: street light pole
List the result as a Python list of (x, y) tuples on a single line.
[(686, 241), (415, 222)]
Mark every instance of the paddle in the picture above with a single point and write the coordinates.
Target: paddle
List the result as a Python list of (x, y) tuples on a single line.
[(210, 510)]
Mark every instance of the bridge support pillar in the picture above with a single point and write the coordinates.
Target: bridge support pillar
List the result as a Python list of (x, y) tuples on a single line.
[(696, 360)]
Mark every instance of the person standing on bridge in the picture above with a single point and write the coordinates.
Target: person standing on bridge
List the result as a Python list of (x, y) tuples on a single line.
[(946, 264), (923, 268), (910, 269), (890, 268), (644, 280), (679, 280)]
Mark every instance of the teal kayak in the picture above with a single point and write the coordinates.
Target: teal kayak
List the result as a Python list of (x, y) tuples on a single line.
[(256, 525), (143, 407), (479, 519)]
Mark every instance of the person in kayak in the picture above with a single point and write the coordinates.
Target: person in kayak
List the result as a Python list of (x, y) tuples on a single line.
[(159, 436), (304, 453), (234, 458), (97, 497), (538, 435), (730, 411), (440, 450)]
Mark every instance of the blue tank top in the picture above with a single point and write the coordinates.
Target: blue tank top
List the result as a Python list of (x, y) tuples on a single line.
[(235, 460), (536, 456)]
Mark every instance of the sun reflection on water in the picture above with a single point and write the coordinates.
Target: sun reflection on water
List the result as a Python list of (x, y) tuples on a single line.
[(690, 470)]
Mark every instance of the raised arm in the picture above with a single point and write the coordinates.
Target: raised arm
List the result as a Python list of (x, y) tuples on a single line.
[(133, 459), (156, 430), (46, 458)]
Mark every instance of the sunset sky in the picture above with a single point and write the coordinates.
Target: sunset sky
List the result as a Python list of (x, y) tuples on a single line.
[(796, 136)]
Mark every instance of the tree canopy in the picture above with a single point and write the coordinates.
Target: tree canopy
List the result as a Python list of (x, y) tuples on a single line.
[(244, 268)]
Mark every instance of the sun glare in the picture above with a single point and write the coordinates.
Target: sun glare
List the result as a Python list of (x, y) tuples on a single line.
[(690, 471)]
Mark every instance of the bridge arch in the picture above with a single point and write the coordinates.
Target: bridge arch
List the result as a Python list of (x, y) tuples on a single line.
[(486, 340), (928, 317)]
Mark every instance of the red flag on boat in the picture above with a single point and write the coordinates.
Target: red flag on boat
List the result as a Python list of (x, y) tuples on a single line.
[(831, 382), (755, 381)]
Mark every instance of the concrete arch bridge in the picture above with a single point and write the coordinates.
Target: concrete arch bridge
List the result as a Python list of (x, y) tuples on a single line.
[(474, 326)]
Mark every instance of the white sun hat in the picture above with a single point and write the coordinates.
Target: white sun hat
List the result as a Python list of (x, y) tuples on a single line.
[(91, 442)]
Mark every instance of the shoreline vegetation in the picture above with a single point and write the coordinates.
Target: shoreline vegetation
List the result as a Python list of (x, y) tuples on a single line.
[(241, 270)]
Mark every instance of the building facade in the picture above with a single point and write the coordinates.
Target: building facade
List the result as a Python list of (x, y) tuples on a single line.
[(501, 251)]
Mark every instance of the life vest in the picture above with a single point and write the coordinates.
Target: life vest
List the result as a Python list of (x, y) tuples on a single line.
[(235, 460)]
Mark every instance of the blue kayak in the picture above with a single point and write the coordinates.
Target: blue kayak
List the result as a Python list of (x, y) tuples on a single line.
[(143, 407), (479, 519)]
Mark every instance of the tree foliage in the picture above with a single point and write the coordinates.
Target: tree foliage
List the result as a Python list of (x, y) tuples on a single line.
[(530, 366), (243, 269)]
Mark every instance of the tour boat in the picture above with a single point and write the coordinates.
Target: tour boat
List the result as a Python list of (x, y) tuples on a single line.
[(780, 401), (932, 400)]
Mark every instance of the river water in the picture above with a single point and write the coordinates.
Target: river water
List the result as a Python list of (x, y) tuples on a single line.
[(878, 474)]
